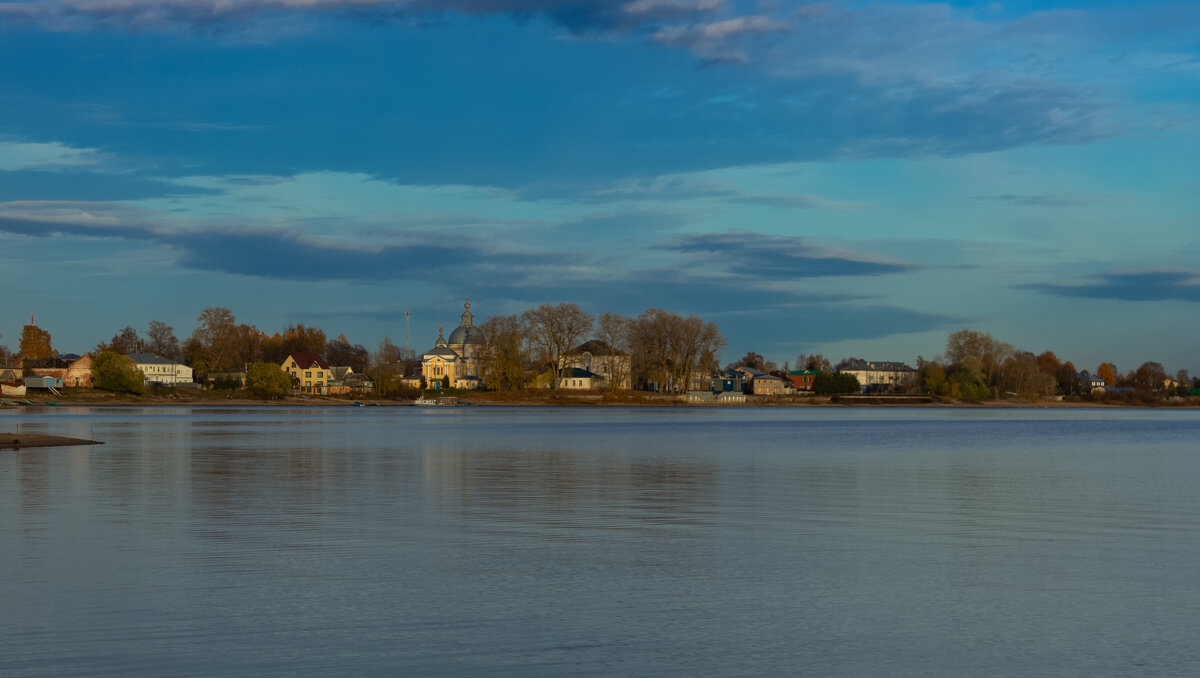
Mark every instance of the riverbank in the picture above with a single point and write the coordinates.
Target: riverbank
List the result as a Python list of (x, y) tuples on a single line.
[(79, 397)]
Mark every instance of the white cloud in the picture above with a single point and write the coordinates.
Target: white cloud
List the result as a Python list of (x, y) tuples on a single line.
[(715, 41), (24, 155)]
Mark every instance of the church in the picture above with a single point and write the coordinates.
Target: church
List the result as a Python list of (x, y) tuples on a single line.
[(458, 358)]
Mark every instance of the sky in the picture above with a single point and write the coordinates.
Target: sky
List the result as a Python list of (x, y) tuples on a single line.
[(846, 178)]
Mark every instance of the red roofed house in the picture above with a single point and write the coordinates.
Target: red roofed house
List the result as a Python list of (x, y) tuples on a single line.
[(309, 371)]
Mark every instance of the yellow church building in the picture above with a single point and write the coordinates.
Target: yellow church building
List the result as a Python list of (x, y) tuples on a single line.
[(456, 359)]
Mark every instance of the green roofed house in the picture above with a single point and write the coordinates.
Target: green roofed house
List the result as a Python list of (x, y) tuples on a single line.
[(802, 380)]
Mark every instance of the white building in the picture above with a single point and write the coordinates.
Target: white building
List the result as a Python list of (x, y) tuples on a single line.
[(879, 375), (605, 366), (159, 370)]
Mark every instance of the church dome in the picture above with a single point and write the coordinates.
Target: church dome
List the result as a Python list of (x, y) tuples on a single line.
[(466, 333)]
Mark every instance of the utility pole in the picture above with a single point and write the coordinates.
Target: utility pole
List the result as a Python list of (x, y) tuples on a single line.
[(407, 313)]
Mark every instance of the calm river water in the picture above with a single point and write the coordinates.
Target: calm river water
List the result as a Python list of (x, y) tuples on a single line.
[(602, 542)]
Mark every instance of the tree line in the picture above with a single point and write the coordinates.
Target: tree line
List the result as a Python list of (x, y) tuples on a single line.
[(977, 366), (664, 349)]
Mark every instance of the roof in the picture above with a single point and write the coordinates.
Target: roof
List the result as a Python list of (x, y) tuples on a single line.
[(441, 351), (306, 359), (800, 373), (764, 375), (576, 373), (596, 347), (150, 359), (466, 332), (876, 366)]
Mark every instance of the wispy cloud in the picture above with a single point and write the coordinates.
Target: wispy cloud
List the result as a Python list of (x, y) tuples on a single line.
[(1031, 200), (277, 253), (52, 155), (720, 41), (210, 15), (1139, 286), (768, 257), (791, 201)]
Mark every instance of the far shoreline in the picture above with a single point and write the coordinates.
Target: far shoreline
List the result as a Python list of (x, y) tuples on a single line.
[(232, 399)]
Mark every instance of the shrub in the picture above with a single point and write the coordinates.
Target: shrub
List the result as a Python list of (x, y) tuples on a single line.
[(115, 372), (266, 379)]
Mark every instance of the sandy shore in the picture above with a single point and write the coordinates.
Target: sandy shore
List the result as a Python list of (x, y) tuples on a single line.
[(17, 441)]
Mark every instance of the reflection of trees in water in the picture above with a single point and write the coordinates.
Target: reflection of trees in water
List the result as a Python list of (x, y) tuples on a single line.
[(565, 488)]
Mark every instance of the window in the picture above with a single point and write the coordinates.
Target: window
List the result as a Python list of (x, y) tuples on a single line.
[(308, 374)]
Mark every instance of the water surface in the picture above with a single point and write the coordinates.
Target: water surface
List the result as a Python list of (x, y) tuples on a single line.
[(602, 542)]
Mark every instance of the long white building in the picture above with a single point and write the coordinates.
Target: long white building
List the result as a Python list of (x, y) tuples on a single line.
[(159, 370)]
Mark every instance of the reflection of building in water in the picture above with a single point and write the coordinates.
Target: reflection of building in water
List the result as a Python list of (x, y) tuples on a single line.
[(455, 361)]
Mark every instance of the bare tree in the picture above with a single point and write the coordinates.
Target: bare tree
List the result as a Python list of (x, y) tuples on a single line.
[(556, 329), (506, 353), (813, 361), (1149, 376), (124, 342), (161, 340), (211, 344), (386, 368), (613, 332), (668, 348), (246, 345), (341, 352)]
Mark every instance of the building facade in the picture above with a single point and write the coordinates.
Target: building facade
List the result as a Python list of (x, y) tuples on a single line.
[(802, 380), (310, 373), (73, 370), (159, 370), (609, 368), (767, 384), (876, 376), (455, 361)]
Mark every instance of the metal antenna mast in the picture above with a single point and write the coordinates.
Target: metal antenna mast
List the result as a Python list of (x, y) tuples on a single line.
[(406, 349)]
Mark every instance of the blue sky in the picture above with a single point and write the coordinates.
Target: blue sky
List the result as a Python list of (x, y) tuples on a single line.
[(846, 178)]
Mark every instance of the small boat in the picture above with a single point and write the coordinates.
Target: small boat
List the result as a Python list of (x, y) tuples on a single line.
[(439, 401)]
